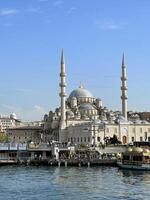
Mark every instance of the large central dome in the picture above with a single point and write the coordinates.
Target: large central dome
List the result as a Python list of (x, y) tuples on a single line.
[(80, 92)]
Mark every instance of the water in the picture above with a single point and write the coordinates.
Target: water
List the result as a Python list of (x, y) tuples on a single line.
[(54, 183)]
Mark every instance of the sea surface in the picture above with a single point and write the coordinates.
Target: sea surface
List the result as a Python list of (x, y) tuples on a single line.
[(44, 183)]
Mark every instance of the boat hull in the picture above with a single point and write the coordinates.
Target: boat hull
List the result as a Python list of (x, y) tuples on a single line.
[(145, 167)]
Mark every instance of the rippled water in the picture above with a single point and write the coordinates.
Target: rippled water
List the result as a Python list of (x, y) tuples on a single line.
[(43, 183)]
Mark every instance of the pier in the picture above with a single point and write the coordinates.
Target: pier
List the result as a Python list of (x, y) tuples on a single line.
[(44, 154)]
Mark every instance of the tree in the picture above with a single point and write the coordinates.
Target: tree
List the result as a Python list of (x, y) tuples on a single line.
[(3, 137)]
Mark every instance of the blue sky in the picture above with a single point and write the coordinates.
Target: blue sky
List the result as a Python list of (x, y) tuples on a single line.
[(94, 35)]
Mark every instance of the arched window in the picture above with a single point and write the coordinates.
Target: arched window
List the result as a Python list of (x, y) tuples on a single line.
[(98, 139), (124, 139)]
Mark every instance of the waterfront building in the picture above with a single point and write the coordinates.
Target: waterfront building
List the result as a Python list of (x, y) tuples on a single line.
[(82, 118), (24, 134), (8, 122), (140, 115)]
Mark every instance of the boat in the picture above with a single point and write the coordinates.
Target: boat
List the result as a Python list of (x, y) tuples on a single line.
[(135, 158)]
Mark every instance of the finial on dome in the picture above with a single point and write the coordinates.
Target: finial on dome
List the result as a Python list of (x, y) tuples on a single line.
[(81, 86)]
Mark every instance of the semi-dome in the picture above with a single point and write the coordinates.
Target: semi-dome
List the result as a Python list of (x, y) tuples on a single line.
[(80, 92), (70, 113), (86, 107)]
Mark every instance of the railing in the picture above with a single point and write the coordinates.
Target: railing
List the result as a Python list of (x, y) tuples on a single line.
[(130, 162), (12, 146)]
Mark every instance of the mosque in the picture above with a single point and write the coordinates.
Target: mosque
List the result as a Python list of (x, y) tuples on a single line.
[(82, 119)]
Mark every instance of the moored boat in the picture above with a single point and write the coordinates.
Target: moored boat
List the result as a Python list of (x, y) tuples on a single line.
[(135, 158)]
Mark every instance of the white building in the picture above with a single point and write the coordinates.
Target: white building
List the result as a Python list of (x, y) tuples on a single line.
[(8, 122), (82, 119)]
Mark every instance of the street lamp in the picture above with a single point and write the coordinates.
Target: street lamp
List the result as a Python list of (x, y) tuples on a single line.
[(104, 129), (93, 130)]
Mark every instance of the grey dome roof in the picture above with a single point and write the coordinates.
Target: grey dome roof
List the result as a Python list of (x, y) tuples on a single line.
[(80, 92), (86, 106), (70, 113)]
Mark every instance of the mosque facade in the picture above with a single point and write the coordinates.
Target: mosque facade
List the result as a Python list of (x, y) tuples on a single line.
[(82, 118)]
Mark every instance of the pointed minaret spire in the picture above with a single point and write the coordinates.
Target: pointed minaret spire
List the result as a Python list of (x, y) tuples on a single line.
[(63, 92), (124, 96), (123, 60), (62, 57)]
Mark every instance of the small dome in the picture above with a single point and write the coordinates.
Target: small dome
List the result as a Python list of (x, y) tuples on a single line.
[(13, 116), (74, 98), (70, 113), (80, 92), (86, 106)]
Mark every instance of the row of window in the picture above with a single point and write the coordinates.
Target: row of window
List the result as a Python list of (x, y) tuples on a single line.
[(82, 139), (6, 121), (6, 126), (107, 130), (141, 130), (141, 139), (29, 134), (133, 130), (19, 137)]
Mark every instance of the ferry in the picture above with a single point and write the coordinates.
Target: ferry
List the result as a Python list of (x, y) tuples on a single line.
[(135, 158)]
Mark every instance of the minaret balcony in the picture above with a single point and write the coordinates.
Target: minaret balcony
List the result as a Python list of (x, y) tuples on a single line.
[(124, 97), (62, 84), (123, 78), (124, 88), (63, 74), (62, 94)]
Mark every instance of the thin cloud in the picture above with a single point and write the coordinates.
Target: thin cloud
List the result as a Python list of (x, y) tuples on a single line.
[(36, 112), (43, 0), (71, 10), (48, 21), (8, 24), (23, 90), (39, 109), (33, 10), (9, 107), (110, 25), (12, 108), (57, 2), (8, 11)]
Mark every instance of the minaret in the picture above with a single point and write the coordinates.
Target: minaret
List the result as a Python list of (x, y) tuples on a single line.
[(63, 93), (124, 96)]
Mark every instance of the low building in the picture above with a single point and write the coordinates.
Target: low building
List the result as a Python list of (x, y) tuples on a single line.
[(24, 134), (8, 122)]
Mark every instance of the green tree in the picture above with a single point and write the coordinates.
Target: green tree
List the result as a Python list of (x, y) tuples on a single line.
[(3, 137)]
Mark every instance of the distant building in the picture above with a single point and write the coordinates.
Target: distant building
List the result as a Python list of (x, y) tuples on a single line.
[(139, 116), (145, 116), (8, 122), (32, 123), (24, 134)]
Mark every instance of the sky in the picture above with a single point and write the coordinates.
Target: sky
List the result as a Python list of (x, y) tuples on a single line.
[(94, 34)]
